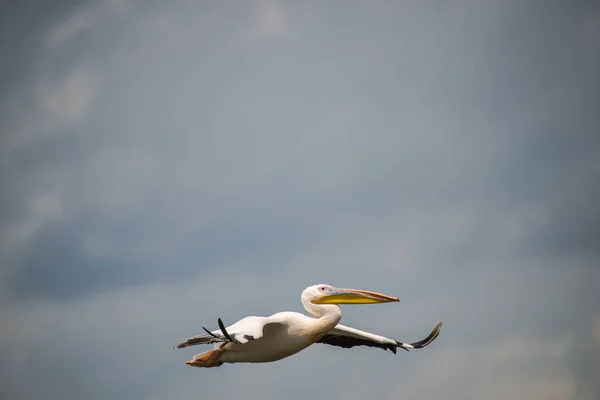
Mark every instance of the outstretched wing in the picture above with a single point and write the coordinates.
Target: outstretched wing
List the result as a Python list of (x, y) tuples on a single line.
[(346, 337), (246, 329)]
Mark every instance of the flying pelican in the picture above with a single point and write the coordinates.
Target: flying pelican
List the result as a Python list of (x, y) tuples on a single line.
[(266, 339)]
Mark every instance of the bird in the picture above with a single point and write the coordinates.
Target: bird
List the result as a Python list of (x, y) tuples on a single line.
[(256, 339)]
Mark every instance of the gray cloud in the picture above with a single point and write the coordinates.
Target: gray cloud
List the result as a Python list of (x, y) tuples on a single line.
[(154, 158)]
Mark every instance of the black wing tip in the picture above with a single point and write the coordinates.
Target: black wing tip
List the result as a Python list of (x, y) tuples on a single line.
[(211, 334), (432, 336), (202, 340), (224, 330)]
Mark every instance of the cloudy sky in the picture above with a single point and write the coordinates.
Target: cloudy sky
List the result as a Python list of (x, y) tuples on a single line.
[(163, 164)]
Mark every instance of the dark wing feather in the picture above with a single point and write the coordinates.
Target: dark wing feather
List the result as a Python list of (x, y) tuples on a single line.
[(432, 336), (209, 337), (349, 341), (341, 339)]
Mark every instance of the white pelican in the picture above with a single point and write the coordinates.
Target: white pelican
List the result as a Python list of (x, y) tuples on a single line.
[(267, 339)]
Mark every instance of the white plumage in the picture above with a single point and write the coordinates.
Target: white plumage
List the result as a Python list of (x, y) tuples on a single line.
[(265, 339)]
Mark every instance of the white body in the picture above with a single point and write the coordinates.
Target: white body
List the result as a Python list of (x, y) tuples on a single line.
[(286, 333), (265, 339)]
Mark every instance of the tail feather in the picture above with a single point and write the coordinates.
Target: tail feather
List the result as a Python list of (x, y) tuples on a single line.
[(196, 340), (209, 337)]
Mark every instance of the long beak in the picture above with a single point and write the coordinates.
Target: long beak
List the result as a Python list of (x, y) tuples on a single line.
[(353, 296)]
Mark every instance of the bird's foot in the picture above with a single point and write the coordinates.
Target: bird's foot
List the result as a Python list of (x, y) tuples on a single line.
[(209, 359)]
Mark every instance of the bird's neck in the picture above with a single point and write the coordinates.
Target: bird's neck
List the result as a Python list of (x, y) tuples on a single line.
[(328, 315)]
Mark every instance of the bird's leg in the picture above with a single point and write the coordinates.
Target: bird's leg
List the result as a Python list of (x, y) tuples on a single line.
[(208, 359)]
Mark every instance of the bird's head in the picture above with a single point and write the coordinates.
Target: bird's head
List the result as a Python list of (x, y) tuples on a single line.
[(327, 294)]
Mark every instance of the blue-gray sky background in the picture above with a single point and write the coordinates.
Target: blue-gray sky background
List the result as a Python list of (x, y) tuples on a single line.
[(163, 164)]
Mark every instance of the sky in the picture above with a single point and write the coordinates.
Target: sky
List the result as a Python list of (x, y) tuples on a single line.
[(164, 164)]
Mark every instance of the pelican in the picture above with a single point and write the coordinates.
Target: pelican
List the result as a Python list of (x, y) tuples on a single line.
[(267, 339)]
